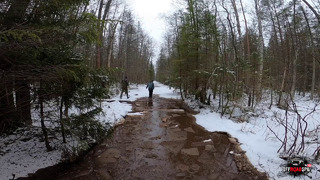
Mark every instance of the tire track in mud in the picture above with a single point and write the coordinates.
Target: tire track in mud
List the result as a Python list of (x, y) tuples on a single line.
[(164, 142)]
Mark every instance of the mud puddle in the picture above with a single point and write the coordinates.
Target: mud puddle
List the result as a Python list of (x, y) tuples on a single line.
[(164, 142)]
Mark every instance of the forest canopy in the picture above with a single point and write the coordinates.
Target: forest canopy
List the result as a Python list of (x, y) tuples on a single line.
[(66, 54), (237, 51)]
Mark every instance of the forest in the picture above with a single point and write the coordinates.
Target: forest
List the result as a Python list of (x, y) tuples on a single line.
[(60, 56), (223, 53), (66, 54), (211, 45)]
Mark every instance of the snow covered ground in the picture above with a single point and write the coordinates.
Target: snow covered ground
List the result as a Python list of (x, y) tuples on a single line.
[(25, 153), (260, 143)]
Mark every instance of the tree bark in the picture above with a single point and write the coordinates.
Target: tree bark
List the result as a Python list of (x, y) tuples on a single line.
[(106, 12), (296, 52), (111, 37), (7, 108), (234, 5), (99, 43), (43, 127), (14, 17), (248, 88), (313, 10), (313, 54), (102, 28), (284, 75), (61, 120), (260, 50), (23, 100)]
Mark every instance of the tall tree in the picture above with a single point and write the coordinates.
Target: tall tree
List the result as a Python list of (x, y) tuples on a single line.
[(260, 49), (313, 53), (313, 10)]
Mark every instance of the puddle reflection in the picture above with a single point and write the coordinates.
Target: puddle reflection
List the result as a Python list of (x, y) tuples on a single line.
[(150, 102)]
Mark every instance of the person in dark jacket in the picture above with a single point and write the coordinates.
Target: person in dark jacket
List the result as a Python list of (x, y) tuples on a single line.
[(150, 87), (124, 87)]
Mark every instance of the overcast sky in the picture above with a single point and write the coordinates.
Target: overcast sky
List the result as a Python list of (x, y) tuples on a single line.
[(150, 14)]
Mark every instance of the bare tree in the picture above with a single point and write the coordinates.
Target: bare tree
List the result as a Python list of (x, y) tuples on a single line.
[(313, 10), (313, 53), (99, 43), (260, 49)]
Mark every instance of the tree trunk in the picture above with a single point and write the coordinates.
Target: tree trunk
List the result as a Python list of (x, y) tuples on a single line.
[(272, 83), (23, 100), (61, 120), (260, 50), (296, 52), (313, 54), (13, 17), (234, 45), (43, 127), (248, 88), (313, 84), (110, 43), (99, 43), (313, 10), (284, 76), (102, 28), (294, 73), (234, 5), (7, 108), (106, 12), (305, 77), (192, 7)]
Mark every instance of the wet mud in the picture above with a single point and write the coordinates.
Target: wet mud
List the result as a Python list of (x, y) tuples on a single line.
[(164, 142)]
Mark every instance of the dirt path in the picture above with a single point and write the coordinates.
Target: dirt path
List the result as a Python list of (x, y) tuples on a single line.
[(164, 143)]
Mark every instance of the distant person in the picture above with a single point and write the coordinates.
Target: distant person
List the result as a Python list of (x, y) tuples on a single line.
[(150, 87), (124, 87)]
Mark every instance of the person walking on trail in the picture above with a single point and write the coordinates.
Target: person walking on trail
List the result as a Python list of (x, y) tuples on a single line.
[(150, 87), (124, 87)]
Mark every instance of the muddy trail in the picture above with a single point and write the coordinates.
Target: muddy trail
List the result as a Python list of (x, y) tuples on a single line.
[(164, 142)]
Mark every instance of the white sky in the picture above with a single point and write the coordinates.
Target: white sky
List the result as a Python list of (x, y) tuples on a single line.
[(150, 14)]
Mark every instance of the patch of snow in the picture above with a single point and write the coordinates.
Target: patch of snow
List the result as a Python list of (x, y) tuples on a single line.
[(22, 153), (135, 114), (258, 141), (208, 140), (113, 111)]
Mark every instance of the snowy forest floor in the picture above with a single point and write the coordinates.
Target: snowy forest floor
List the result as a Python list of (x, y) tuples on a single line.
[(24, 151)]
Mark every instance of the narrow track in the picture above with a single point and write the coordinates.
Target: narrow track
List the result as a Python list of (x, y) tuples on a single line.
[(164, 142)]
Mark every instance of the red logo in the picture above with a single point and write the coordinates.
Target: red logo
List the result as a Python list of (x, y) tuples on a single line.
[(297, 166), (295, 169)]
